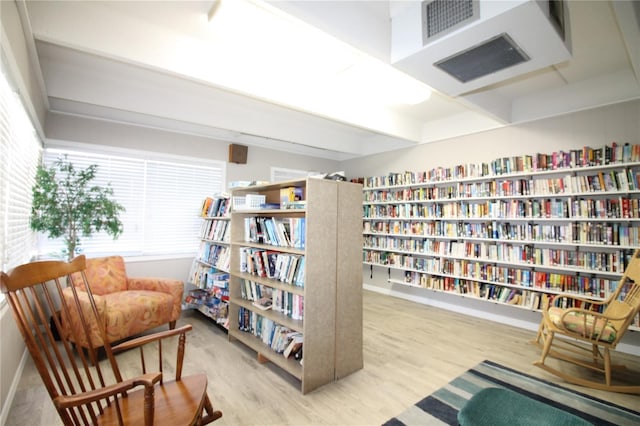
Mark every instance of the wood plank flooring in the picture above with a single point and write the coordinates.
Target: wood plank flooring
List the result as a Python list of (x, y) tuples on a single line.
[(410, 350)]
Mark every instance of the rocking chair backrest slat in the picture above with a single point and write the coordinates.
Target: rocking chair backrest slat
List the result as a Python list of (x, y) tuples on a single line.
[(625, 301), (41, 302), (633, 270)]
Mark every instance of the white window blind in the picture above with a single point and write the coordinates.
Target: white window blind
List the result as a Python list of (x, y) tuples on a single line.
[(20, 149), (162, 198)]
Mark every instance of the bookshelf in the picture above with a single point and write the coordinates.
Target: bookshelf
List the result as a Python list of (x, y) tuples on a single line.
[(210, 269), (515, 231), (322, 305)]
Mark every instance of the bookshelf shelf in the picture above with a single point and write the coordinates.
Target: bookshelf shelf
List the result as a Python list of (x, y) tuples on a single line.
[(209, 270), (278, 317), (514, 231), (291, 366), (327, 295)]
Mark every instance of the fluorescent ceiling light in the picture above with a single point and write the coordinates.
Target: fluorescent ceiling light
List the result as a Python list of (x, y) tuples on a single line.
[(270, 54)]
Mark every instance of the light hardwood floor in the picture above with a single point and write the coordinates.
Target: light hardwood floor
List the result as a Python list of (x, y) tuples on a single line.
[(410, 350)]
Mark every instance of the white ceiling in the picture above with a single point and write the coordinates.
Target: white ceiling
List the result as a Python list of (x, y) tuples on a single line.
[(112, 60)]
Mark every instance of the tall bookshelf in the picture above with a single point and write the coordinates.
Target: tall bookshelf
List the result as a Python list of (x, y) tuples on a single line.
[(329, 290), (515, 231), (210, 269)]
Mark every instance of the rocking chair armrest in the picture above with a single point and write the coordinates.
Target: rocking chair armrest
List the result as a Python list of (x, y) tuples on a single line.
[(67, 401), (595, 314), (143, 340), (572, 296)]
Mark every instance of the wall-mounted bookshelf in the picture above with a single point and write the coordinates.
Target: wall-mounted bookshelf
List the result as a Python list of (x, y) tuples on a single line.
[(210, 269), (514, 231), (296, 284)]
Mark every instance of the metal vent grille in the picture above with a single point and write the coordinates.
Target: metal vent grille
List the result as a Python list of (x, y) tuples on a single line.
[(493, 55), (440, 17)]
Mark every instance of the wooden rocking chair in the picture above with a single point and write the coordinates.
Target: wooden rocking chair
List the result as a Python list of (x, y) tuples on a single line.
[(591, 330), (80, 390)]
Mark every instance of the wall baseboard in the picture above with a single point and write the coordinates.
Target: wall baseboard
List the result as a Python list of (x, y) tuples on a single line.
[(4, 414)]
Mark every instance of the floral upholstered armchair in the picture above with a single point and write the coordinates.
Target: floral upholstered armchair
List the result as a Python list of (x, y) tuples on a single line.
[(128, 306)]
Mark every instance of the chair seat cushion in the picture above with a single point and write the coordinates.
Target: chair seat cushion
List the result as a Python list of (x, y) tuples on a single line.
[(575, 322), (132, 312)]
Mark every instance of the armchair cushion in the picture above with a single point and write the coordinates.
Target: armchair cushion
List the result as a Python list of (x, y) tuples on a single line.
[(131, 305), (576, 323), (105, 275)]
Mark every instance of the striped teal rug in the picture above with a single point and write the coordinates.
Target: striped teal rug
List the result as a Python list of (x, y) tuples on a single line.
[(441, 407)]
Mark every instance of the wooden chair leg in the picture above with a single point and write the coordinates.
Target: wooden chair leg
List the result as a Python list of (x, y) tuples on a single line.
[(596, 353), (547, 339), (607, 367), (539, 335), (211, 415)]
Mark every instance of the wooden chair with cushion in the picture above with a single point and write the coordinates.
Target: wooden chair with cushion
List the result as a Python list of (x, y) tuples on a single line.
[(84, 389), (588, 330)]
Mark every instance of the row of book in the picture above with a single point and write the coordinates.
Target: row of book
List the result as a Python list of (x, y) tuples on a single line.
[(536, 283), (528, 163), (207, 302), (285, 267), (206, 277), (279, 338), (215, 230), (601, 208), (410, 238), (282, 232), (264, 298), (215, 255), (216, 206), (612, 182), (530, 299), (613, 262), (581, 233), (215, 297)]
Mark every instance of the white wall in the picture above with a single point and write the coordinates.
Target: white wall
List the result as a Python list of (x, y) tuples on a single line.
[(595, 128)]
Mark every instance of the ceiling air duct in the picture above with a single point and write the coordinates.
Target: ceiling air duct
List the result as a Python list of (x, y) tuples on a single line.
[(457, 46)]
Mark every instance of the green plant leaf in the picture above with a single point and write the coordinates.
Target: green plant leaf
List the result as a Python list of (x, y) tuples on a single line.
[(66, 205)]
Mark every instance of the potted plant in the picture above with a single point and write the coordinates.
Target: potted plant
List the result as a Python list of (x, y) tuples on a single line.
[(66, 204)]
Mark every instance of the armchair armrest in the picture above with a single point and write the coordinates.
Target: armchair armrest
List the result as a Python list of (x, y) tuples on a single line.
[(164, 285), (72, 324), (170, 286)]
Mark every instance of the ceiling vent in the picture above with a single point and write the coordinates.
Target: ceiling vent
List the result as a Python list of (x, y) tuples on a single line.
[(457, 46)]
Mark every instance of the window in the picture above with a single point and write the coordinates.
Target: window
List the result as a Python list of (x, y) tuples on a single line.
[(20, 149), (162, 196)]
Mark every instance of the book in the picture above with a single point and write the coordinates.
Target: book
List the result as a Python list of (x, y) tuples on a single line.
[(292, 193), (295, 344), (264, 303)]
